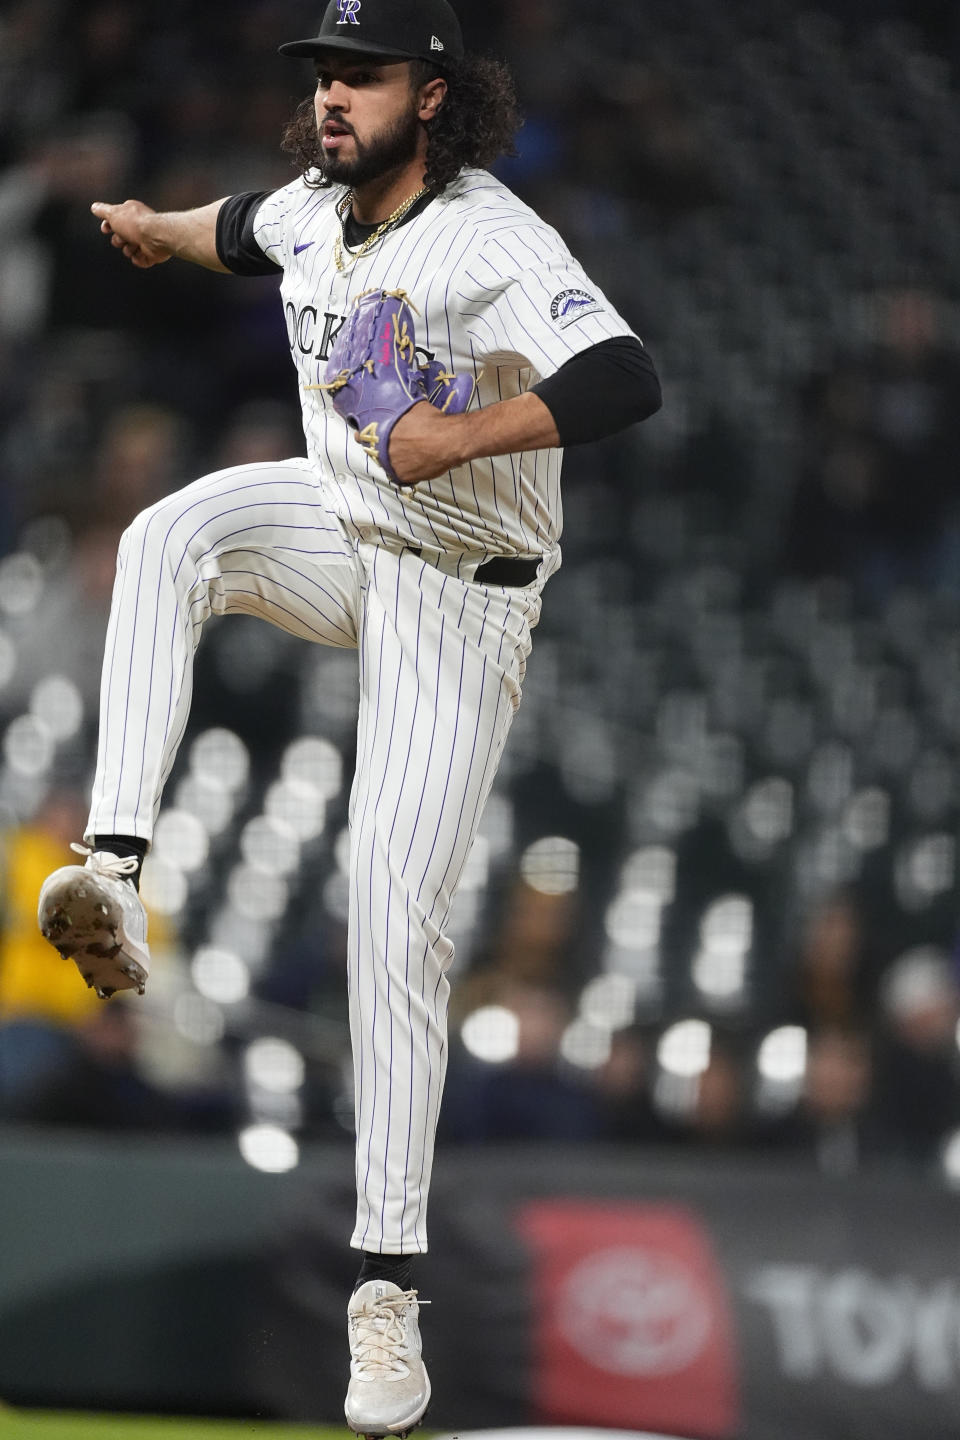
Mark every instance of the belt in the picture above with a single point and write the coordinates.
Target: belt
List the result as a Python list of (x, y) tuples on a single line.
[(511, 570), (507, 570)]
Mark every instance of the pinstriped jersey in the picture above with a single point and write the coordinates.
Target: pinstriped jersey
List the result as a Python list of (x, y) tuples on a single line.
[(497, 294)]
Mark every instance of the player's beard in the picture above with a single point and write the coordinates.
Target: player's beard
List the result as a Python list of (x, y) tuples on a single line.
[(390, 149)]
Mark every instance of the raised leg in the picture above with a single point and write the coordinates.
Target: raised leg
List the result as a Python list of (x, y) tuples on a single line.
[(254, 539)]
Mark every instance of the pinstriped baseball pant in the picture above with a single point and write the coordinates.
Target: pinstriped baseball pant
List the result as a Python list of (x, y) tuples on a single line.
[(441, 663)]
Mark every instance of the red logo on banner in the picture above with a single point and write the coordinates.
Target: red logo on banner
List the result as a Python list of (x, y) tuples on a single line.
[(632, 1323)]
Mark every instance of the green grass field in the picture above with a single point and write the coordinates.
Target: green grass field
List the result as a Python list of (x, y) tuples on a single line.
[(32, 1425)]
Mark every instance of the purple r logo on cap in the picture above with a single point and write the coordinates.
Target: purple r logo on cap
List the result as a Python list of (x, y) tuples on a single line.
[(348, 12)]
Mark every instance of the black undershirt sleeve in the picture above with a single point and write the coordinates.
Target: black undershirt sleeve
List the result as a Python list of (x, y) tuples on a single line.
[(236, 246), (602, 390)]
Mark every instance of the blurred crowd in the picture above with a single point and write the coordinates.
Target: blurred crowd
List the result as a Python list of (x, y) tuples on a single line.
[(875, 497), (117, 387)]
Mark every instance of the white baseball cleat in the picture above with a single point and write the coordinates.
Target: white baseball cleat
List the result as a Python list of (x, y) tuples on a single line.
[(93, 915), (389, 1389)]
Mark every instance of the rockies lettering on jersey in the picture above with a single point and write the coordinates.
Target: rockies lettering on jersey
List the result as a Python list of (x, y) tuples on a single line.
[(302, 326), (497, 294)]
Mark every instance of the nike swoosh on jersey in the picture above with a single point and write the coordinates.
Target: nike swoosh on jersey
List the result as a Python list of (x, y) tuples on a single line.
[(305, 246)]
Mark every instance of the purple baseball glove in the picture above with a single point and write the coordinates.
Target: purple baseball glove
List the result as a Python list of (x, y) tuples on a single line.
[(373, 376), (448, 393)]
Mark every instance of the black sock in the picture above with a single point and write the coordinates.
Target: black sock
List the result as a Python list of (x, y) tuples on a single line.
[(398, 1268), (124, 845)]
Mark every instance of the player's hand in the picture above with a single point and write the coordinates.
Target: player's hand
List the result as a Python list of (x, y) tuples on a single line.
[(424, 444), (130, 230)]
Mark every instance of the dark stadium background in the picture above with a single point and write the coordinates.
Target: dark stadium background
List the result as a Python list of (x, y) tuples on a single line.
[(707, 945)]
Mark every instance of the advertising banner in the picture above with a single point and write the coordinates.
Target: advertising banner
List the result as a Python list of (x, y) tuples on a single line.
[(709, 1299), (643, 1292), (631, 1317)]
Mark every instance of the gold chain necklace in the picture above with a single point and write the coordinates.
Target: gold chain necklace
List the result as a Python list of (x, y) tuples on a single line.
[(343, 207)]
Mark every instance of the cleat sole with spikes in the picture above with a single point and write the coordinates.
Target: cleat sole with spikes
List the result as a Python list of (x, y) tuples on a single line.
[(84, 926)]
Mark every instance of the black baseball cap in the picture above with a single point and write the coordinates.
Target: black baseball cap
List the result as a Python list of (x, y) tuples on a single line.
[(408, 29)]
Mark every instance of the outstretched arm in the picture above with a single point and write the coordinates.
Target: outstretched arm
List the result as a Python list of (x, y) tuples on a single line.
[(148, 237)]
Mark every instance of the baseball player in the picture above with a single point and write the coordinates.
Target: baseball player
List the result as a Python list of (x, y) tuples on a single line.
[(447, 346)]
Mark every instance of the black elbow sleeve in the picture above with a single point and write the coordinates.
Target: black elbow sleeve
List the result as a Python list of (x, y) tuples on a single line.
[(237, 247), (602, 390)]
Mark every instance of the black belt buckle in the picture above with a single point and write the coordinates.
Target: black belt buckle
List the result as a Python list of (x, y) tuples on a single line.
[(508, 570)]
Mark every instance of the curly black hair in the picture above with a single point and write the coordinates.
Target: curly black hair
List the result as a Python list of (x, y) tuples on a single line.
[(476, 123)]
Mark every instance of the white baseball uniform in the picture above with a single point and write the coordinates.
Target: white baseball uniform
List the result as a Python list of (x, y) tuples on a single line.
[(328, 549)]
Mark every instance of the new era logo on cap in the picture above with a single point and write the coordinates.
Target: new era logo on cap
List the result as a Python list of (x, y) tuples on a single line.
[(435, 44)]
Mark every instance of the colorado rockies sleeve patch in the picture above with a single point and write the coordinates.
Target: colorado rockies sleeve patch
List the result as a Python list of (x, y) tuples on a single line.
[(571, 305)]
